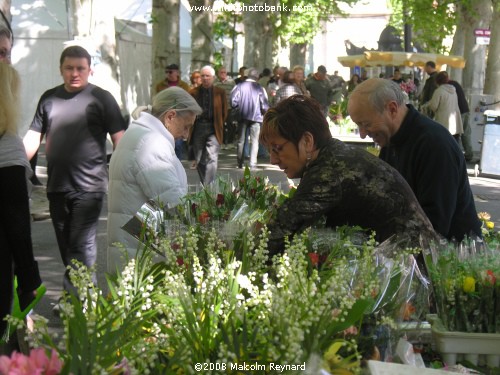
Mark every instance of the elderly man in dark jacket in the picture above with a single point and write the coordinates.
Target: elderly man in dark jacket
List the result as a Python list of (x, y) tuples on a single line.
[(423, 151), (251, 101)]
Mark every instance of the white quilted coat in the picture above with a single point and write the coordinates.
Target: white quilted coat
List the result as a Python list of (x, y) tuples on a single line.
[(143, 166)]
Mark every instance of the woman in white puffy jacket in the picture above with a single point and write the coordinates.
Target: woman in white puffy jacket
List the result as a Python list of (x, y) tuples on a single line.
[(144, 166)]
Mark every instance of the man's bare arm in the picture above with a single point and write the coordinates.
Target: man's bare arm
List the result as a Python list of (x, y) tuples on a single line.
[(32, 141)]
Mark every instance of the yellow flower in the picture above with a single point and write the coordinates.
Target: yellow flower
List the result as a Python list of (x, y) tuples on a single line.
[(469, 285), (484, 216), (490, 225)]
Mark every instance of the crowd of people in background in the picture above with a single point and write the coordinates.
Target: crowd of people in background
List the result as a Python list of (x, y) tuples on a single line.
[(440, 98)]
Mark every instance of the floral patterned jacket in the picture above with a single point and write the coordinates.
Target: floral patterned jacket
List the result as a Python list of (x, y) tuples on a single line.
[(349, 186)]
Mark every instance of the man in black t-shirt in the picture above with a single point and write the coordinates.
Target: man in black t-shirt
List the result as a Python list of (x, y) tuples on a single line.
[(75, 119)]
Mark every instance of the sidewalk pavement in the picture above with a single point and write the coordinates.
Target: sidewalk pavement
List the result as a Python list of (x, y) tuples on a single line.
[(486, 195)]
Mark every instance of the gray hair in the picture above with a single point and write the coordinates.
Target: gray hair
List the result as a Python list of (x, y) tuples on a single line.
[(208, 67), (379, 91), (172, 98), (252, 73)]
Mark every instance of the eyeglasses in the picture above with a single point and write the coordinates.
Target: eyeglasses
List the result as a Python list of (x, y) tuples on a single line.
[(278, 148), (170, 71)]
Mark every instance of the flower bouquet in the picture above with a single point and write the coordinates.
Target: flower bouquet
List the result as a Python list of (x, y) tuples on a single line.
[(466, 284), (229, 207), (490, 235), (222, 308)]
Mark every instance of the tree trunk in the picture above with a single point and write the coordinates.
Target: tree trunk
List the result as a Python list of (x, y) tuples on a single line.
[(492, 82), (459, 42), (81, 18), (297, 54), (104, 36), (259, 38), (201, 35), (475, 54), (165, 41)]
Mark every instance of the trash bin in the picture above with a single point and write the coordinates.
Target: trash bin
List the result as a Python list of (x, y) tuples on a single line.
[(490, 149)]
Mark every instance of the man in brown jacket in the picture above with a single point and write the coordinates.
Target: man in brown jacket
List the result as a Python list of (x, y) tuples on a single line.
[(207, 134)]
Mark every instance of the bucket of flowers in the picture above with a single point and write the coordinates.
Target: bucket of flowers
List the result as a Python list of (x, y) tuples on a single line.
[(466, 283)]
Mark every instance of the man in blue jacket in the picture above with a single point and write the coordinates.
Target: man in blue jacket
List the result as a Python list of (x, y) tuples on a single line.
[(423, 151), (251, 101)]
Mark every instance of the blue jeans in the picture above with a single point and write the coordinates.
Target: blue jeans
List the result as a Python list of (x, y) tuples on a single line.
[(206, 151), (254, 128), (75, 217)]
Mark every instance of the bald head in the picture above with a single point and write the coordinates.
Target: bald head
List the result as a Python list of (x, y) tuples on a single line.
[(376, 92), (378, 107)]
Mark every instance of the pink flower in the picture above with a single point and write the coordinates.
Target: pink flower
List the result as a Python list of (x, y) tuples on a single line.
[(408, 87), (36, 364)]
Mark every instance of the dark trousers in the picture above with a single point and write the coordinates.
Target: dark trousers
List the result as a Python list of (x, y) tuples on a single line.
[(7, 282), (206, 151), (75, 217), (16, 251), (229, 132)]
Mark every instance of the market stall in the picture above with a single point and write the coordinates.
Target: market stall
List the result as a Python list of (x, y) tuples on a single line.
[(394, 58)]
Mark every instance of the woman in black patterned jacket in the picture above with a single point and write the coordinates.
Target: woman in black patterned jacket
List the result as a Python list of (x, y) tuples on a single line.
[(345, 184)]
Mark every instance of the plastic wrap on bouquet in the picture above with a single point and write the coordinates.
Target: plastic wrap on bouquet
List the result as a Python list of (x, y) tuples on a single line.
[(147, 223), (466, 282), (402, 291)]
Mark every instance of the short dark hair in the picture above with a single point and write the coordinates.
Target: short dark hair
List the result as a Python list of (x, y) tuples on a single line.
[(75, 51), (287, 77), (294, 116), (442, 78), (431, 64)]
